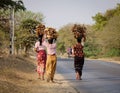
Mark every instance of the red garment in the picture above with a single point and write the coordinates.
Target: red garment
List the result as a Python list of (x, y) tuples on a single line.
[(41, 58), (78, 50), (78, 58)]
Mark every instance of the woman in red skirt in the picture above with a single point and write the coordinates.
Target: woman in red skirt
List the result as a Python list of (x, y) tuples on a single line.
[(41, 52), (41, 58)]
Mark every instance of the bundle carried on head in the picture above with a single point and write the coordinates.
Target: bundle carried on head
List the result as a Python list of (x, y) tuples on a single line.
[(79, 31), (40, 30), (51, 33)]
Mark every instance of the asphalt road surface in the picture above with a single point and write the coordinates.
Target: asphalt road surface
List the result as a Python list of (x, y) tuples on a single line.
[(98, 76)]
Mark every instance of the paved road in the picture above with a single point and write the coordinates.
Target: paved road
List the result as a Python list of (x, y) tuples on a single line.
[(98, 76)]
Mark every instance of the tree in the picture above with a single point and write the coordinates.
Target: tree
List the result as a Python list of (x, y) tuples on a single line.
[(61, 48), (91, 47), (24, 15), (100, 21), (25, 37), (66, 37), (110, 37), (117, 10), (7, 4), (108, 31)]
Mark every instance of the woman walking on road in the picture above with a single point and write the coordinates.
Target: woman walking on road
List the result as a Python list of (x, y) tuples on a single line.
[(41, 53), (51, 36), (79, 34)]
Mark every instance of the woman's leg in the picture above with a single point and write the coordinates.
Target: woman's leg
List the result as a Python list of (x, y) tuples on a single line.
[(78, 77), (48, 68), (54, 61)]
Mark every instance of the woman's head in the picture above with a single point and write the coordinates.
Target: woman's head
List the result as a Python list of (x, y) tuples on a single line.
[(79, 39), (79, 31), (50, 41), (40, 29), (40, 39)]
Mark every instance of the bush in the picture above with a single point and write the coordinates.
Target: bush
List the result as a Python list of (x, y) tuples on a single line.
[(113, 52)]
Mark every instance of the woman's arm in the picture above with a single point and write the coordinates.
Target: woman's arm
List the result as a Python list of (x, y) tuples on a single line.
[(73, 52), (36, 47)]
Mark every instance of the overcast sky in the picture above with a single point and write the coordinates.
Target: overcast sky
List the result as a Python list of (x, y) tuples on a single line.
[(58, 13)]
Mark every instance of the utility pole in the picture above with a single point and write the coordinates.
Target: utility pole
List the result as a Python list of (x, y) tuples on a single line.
[(12, 30)]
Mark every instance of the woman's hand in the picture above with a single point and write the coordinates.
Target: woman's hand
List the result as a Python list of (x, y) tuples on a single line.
[(36, 50)]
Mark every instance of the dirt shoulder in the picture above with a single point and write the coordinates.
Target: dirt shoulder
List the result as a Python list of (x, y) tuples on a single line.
[(17, 75)]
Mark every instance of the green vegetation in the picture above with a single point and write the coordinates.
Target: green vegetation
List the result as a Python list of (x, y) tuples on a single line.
[(27, 38), (102, 37), (7, 4), (25, 23)]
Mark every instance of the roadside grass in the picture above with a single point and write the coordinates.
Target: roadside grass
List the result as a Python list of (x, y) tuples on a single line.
[(15, 73)]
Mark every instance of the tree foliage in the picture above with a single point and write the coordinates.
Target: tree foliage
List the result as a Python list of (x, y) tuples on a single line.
[(103, 38), (25, 37), (66, 37), (107, 38), (102, 19), (7, 4), (25, 22), (24, 15), (4, 30), (110, 36)]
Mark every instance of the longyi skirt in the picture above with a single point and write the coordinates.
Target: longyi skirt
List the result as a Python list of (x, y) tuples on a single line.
[(41, 59), (78, 64)]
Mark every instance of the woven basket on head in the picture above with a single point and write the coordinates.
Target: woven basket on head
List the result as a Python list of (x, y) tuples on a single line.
[(51, 33), (79, 31), (40, 29)]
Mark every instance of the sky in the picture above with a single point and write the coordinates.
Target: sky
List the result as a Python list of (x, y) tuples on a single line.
[(59, 13)]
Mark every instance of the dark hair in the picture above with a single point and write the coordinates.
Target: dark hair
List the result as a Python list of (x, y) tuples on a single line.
[(79, 39), (40, 39), (50, 41)]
